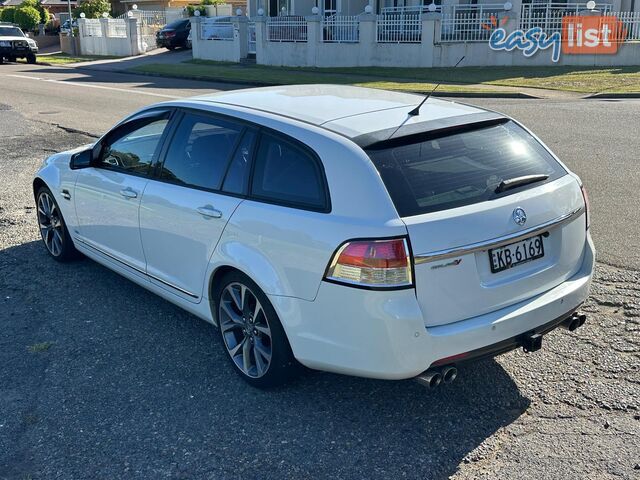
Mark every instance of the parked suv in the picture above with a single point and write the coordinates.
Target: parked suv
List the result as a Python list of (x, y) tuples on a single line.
[(352, 230), (15, 44), (174, 34)]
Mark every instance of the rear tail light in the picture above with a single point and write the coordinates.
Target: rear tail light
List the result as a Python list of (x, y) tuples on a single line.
[(169, 34), (372, 264), (586, 205)]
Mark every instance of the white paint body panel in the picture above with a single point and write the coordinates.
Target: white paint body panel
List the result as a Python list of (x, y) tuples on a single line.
[(178, 240), (107, 219), (159, 241)]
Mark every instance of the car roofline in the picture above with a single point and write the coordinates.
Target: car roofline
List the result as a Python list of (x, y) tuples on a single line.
[(371, 139)]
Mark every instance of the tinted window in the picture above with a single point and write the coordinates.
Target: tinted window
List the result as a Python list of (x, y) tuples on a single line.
[(178, 25), (11, 32), (135, 149), (461, 169), (285, 173), (238, 172), (199, 151)]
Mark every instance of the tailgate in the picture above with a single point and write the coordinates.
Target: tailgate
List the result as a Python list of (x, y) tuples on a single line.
[(453, 268)]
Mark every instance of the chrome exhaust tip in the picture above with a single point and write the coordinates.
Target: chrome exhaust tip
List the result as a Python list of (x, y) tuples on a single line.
[(429, 379), (449, 374)]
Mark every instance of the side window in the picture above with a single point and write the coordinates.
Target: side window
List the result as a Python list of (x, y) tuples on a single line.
[(200, 151), (236, 178), (285, 173), (133, 150)]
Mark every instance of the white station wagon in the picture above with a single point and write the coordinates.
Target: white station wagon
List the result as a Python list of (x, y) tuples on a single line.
[(346, 229)]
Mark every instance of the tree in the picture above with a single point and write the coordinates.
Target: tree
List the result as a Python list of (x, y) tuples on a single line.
[(7, 14), (44, 13), (92, 8), (27, 18)]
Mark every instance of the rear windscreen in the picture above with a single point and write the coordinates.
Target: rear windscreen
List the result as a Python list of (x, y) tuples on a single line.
[(441, 172)]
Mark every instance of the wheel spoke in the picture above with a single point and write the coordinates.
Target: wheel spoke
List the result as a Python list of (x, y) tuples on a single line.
[(237, 300), (246, 356), (56, 233), (261, 349), (257, 310), (233, 316), (234, 351), (226, 326), (57, 245), (260, 365)]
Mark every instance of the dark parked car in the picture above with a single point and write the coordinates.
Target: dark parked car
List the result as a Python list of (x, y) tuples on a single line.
[(15, 44), (174, 34)]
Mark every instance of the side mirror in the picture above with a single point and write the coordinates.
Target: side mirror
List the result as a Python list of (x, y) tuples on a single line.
[(81, 159)]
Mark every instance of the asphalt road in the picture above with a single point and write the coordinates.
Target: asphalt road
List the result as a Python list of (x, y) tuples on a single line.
[(101, 379)]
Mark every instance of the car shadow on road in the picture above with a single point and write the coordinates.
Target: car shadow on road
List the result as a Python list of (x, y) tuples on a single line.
[(131, 383)]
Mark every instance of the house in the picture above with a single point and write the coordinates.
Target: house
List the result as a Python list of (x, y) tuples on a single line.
[(121, 6), (274, 8)]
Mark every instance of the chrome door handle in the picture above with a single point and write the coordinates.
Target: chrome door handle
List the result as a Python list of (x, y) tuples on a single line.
[(209, 211), (128, 193)]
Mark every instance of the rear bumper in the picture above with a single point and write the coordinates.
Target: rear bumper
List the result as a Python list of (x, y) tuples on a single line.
[(381, 334)]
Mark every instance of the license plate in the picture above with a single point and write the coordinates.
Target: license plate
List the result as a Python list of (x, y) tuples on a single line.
[(517, 253)]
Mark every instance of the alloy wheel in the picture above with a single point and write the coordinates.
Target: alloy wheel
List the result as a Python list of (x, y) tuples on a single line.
[(245, 330), (50, 223)]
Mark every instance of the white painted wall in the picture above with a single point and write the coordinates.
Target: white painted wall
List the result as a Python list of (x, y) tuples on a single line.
[(367, 52), (113, 46)]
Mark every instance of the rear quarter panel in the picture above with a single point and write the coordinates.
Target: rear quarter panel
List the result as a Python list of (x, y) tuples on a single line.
[(286, 250)]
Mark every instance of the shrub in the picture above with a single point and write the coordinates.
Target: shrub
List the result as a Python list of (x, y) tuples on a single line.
[(7, 14), (192, 8), (92, 8), (44, 13), (27, 18)]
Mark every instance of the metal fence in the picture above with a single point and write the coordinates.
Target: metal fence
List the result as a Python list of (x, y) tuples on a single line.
[(399, 28), (548, 8), (287, 29), (116, 28), (467, 27), (631, 22), (147, 17), (411, 9), (340, 29), (551, 21), (91, 28), (216, 28), (251, 38)]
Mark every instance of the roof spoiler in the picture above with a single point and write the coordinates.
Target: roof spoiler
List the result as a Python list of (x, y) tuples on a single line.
[(421, 131)]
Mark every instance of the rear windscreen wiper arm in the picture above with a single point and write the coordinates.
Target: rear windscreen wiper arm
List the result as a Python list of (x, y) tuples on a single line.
[(520, 181)]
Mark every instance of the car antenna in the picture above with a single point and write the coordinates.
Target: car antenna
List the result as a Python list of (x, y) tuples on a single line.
[(416, 111)]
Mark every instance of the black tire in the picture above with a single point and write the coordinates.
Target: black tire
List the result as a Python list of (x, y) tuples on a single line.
[(31, 58), (1, 59), (11, 59), (282, 366), (171, 47), (61, 247)]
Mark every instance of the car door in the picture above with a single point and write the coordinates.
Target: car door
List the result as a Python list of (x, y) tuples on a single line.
[(184, 210), (107, 195)]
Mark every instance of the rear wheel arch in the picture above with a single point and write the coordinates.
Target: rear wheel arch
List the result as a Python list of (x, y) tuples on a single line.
[(214, 283)]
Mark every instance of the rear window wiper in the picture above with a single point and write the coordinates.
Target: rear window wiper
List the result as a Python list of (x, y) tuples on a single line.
[(520, 181)]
